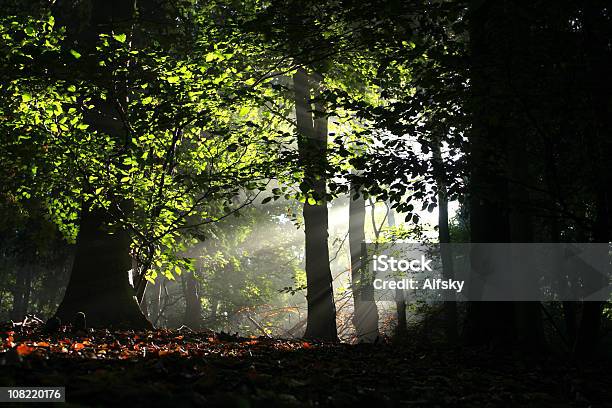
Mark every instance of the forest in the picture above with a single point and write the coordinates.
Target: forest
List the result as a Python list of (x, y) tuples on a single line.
[(195, 196)]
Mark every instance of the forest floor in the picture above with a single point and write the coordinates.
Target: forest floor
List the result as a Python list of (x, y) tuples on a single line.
[(185, 368)]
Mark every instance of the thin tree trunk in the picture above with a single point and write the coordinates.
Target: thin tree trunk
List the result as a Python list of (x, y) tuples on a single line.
[(21, 293), (193, 306), (450, 303), (400, 298), (155, 308), (312, 145), (365, 317), (589, 331), (214, 305)]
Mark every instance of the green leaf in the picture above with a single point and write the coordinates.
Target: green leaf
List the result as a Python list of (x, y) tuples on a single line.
[(211, 56), (75, 54), (71, 88), (120, 37), (26, 97)]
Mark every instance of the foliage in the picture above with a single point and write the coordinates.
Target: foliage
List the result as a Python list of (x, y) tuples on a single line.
[(188, 138)]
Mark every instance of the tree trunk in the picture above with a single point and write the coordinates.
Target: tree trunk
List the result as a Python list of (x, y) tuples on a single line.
[(155, 308), (365, 316), (312, 145), (214, 305), (450, 303), (589, 331), (21, 293), (487, 322), (99, 285), (193, 307), (400, 298), (598, 59), (530, 327)]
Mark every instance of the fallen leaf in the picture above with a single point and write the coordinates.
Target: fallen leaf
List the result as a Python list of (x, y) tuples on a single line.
[(24, 349)]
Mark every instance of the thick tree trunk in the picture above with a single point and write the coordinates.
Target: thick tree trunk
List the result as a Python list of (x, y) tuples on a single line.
[(598, 60), (487, 322), (530, 327), (312, 145), (193, 306), (99, 285), (365, 316)]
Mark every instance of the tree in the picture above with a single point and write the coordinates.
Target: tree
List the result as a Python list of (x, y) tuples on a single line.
[(450, 305), (141, 137), (312, 145), (365, 316)]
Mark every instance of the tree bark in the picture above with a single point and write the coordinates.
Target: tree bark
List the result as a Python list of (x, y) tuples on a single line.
[(365, 316), (21, 293), (193, 306), (598, 58), (99, 285), (487, 322), (400, 298), (450, 303), (155, 295), (312, 146)]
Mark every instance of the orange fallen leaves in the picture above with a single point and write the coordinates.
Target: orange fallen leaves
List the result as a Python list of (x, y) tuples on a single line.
[(78, 346), (104, 344), (24, 349)]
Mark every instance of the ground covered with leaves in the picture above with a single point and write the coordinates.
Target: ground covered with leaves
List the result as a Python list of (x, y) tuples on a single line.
[(187, 368)]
